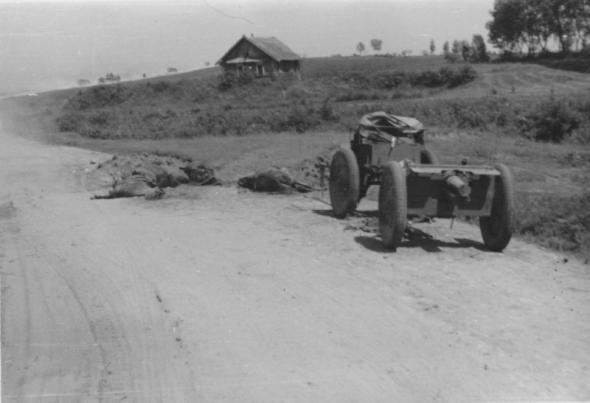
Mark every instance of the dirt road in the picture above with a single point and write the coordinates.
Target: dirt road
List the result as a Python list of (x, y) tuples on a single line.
[(213, 294)]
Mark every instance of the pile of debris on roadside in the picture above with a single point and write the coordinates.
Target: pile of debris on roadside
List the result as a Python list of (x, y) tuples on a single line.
[(148, 174), (316, 172), (311, 174), (273, 180)]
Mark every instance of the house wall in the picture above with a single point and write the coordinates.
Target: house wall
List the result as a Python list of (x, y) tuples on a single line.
[(289, 65)]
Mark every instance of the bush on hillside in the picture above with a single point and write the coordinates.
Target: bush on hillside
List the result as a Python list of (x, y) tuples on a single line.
[(444, 77), (579, 64), (551, 121), (296, 93), (226, 80), (69, 122), (358, 95), (160, 87), (327, 112), (453, 57), (389, 80), (97, 97), (573, 61), (230, 79), (100, 118), (429, 78), (457, 77), (299, 118)]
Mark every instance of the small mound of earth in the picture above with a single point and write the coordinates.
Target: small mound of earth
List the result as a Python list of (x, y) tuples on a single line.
[(146, 175)]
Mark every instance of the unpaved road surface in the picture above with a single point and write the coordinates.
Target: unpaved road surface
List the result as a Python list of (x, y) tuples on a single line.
[(218, 295)]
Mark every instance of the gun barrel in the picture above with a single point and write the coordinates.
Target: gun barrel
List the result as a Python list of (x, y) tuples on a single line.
[(458, 186)]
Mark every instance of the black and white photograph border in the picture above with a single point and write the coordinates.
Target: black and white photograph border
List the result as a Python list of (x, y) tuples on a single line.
[(295, 201)]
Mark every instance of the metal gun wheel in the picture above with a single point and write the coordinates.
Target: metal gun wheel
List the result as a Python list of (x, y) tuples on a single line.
[(344, 182), (496, 229), (393, 205)]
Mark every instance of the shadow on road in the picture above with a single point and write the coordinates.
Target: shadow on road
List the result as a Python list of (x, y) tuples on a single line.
[(418, 239), (414, 238), (325, 213), (355, 214)]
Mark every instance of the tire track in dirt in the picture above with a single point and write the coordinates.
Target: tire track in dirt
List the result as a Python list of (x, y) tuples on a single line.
[(28, 318), (92, 327), (98, 300), (32, 268)]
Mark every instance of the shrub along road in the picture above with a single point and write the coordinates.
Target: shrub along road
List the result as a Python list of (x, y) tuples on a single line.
[(216, 294)]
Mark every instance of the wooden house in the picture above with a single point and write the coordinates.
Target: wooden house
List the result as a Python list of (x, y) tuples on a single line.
[(262, 56)]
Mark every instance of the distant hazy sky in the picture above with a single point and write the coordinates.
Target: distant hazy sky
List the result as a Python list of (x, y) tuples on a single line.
[(46, 45)]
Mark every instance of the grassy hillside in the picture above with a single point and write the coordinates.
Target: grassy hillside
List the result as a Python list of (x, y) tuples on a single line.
[(331, 96), (221, 105), (488, 113)]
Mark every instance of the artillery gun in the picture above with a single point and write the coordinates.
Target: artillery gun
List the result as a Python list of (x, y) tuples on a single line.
[(389, 151)]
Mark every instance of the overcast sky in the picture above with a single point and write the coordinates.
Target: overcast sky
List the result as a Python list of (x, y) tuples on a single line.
[(46, 45)]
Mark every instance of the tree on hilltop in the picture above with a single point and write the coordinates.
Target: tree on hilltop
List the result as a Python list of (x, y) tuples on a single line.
[(446, 48), (109, 78), (376, 44), (360, 47), (479, 53), (466, 51), (457, 47), (530, 25), (505, 27), (432, 47)]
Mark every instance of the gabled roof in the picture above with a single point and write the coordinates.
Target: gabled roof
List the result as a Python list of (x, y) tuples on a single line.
[(274, 48), (271, 46)]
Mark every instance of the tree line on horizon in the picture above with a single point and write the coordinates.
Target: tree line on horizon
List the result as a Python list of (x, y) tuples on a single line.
[(522, 26), (474, 51), (375, 44), (536, 26)]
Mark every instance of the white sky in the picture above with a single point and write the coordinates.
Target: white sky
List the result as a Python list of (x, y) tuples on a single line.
[(45, 45)]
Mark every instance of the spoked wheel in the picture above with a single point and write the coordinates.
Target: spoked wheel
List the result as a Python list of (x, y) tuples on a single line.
[(344, 182), (496, 229), (393, 205), (428, 157)]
